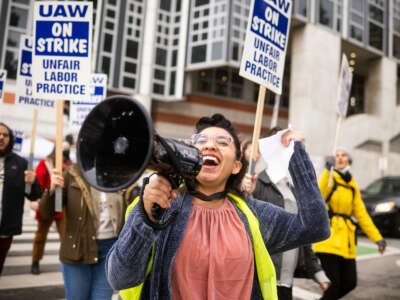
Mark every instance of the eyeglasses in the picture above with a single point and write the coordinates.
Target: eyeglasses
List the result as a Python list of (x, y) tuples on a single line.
[(222, 141)]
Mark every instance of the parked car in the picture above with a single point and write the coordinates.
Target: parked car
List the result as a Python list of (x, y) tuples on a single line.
[(382, 199)]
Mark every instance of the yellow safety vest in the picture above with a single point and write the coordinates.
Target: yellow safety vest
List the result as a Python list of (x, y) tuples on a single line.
[(264, 265)]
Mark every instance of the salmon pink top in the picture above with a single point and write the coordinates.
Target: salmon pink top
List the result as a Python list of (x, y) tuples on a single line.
[(215, 259)]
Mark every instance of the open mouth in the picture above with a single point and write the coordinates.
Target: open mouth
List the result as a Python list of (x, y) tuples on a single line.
[(210, 161)]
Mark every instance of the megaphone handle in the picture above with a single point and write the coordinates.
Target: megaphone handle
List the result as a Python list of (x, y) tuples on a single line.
[(157, 211)]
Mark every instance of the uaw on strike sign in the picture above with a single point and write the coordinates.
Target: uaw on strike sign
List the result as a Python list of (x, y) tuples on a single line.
[(24, 77), (62, 49), (267, 36)]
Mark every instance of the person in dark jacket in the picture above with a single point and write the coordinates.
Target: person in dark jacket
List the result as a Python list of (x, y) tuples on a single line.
[(299, 262), (13, 175)]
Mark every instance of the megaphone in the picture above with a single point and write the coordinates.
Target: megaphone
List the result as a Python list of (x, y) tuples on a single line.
[(117, 143)]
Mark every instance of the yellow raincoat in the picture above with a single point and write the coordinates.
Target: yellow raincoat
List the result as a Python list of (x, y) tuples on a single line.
[(342, 239)]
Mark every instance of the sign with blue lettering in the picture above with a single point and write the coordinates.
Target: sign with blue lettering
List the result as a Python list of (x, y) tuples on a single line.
[(19, 138), (62, 49), (265, 47), (80, 109), (3, 77), (24, 94)]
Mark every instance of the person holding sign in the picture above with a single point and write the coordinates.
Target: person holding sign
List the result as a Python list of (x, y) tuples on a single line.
[(218, 246), (93, 222), (43, 173), (300, 262), (343, 201), (13, 177)]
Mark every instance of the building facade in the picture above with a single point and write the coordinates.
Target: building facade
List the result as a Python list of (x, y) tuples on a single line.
[(181, 59)]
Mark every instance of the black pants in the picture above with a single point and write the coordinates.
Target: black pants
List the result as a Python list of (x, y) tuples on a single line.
[(342, 273), (284, 293), (5, 244)]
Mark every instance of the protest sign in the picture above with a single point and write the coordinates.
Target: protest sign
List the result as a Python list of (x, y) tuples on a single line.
[(18, 139), (24, 78), (345, 80), (264, 53), (61, 60), (3, 77), (267, 36), (80, 109)]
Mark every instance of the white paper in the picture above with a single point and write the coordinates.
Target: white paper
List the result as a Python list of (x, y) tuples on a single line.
[(276, 155)]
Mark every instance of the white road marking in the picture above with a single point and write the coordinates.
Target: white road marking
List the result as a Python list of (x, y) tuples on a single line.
[(304, 294)]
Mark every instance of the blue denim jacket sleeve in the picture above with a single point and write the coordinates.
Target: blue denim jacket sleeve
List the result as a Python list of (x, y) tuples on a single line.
[(282, 230), (127, 260)]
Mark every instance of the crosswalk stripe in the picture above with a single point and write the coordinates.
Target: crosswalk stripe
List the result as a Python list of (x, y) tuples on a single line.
[(28, 246), (29, 280), (14, 261)]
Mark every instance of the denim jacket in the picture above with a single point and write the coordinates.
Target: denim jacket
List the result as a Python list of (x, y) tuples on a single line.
[(128, 258)]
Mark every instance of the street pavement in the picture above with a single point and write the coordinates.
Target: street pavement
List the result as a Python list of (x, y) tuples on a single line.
[(17, 283), (378, 276)]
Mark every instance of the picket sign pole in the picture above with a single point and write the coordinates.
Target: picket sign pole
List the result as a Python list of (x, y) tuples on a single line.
[(275, 113), (257, 128), (59, 150), (338, 126), (28, 185)]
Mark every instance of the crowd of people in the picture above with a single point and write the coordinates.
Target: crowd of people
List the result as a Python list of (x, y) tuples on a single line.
[(237, 235)]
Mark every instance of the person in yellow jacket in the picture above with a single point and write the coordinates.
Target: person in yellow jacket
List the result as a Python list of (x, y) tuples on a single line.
[(343, 201)]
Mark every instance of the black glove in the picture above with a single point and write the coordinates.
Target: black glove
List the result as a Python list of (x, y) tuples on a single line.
[(329, 162), (381, 245)]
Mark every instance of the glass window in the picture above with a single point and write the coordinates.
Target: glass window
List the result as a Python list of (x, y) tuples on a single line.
[(158, 89), (11, 63), (13, 38), (302, 7), (172, 83), (374, 188), (174, 58), (18, 17), (375, 36), (110, 13), (132, 49), (165, 5), (396, 46), (326, 13), (216, 52), (357, 5), (356, 33), (235, 52), (199, 54), (130, 68), (105, 65), (201, 2), (376, 14), (110, 25), (108, 42), (178, 5), (161, 57), (129, 82), (159, 74)]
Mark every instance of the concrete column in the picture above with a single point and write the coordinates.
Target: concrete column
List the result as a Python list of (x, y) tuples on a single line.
[(315, 65), (146, 66), (380, 99), (380, 89)]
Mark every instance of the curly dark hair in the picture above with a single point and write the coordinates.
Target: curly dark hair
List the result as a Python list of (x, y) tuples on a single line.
[(218, 120), (12, 139)]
